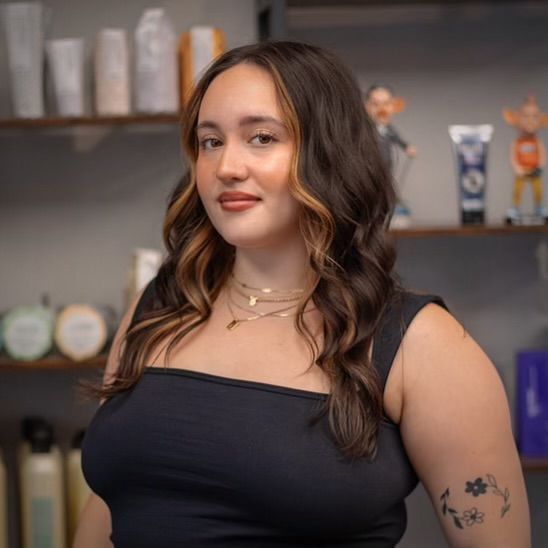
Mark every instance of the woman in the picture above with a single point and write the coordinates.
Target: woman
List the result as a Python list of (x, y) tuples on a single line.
[(274, 386)]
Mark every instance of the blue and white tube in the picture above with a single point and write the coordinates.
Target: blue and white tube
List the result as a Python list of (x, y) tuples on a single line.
[(470, 146)]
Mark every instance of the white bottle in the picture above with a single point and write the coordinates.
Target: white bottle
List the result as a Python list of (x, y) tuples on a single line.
[(28, 424), (42, 495), (112, 81), (78, 490), (3, 504)]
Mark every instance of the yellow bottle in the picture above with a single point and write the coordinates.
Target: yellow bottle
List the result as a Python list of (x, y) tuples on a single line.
[(77, 489), (42, 494)]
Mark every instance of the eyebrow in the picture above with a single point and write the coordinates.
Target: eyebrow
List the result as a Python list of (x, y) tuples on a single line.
[(245, 121)]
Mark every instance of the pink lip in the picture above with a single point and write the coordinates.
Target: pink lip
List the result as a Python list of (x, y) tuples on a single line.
[(237, 201)]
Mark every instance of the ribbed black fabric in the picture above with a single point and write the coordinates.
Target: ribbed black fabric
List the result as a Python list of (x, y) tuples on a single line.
[(192, 459)]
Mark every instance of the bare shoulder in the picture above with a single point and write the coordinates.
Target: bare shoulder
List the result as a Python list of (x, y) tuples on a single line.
[(444, 368), (456, 428), (436, 345), (435, 351)]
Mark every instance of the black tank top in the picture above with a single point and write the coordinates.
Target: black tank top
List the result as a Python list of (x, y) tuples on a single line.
[(193, 459)]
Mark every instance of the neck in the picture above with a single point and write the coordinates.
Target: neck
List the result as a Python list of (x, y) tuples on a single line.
[(282, 267)]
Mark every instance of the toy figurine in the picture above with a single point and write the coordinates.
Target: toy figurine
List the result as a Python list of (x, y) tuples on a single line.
[(381, 105), (528, 158)]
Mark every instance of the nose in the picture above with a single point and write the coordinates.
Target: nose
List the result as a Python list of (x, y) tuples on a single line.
[(231, 166)]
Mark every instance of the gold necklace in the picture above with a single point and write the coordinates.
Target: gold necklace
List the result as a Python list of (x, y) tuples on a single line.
[(254, 299), (280, 313), (267, 289), (257, 313), (237, 321)]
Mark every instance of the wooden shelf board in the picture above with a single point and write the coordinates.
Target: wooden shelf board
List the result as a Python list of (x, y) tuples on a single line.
[(51, 363), (475, 230), (537, 464), (23, 123)]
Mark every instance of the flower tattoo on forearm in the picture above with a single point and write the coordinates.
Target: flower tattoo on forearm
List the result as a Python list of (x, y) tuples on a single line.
[(475, 488)]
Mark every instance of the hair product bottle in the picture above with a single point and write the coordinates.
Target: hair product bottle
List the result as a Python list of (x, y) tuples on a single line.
[(77, 488), (42, 500), (3, 504)]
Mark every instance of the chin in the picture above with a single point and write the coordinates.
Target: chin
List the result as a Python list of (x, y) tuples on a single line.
[(252, 241), (247, 242)]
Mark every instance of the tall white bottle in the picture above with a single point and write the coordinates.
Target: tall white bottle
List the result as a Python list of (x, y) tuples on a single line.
[(42, 494), (28, 424), (78, 490), (3, 504)]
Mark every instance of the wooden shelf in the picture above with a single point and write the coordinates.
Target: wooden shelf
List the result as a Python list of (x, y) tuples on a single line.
[(534, 464), (473, 230), (51, 363), (23, 123)]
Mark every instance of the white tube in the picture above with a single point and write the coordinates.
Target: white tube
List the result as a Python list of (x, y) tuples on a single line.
[(23, 26), (66, 62)]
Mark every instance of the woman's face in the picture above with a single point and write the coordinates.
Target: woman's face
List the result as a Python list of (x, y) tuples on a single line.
[(244, 160)]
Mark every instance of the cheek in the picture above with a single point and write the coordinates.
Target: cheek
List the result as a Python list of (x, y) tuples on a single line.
[(274, 172), (202, 180)]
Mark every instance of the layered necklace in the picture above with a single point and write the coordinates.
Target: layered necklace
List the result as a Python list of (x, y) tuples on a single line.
[(255, 295)]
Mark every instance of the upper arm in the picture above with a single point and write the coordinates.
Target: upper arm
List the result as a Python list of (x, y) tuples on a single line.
[(118, 343), (456, 427)]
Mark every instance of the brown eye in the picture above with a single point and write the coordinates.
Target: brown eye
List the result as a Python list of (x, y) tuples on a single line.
[(263, 139), (210, 143)]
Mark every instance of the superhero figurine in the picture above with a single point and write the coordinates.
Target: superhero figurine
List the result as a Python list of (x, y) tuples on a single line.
[(381, 105), (528, 158)]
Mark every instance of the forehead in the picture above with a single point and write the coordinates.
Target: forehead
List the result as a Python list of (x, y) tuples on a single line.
[(241, 90), (530, 110), (381, 94)]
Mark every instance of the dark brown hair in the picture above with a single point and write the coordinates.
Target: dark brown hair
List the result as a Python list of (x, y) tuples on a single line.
[(346, 198)]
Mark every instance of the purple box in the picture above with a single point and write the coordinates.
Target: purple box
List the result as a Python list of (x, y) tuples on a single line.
[(532, 401)]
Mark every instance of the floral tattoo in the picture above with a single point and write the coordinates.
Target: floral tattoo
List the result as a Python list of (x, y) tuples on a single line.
[(475, 488)]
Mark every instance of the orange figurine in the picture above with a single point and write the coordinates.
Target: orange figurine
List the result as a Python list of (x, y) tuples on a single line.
[(528, 158)]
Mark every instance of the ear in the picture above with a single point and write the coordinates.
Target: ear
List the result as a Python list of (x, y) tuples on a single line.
[(510, 117), (544, 120), (399, 104)]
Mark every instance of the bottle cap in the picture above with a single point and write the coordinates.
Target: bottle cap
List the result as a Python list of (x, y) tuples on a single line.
[(78, 439), (41, 438)]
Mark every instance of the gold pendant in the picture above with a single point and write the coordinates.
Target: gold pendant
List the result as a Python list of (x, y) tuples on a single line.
[(233, 325), (252, 300)]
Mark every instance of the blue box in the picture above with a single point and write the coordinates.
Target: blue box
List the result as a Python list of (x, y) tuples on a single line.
[(532, 401)]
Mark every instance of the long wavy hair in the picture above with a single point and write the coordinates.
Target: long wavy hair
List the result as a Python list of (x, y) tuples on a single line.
[(346, 199)]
